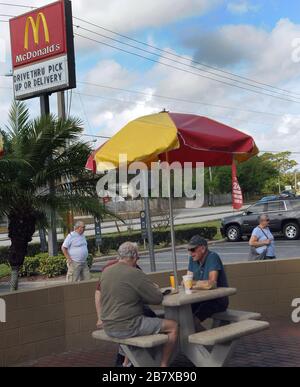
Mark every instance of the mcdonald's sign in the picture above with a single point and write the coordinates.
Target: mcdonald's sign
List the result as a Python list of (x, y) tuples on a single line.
[(35, 26), (41, 36)]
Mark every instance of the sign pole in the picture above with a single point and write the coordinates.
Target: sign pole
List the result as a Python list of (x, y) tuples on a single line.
[(98, 234), (52, 236)]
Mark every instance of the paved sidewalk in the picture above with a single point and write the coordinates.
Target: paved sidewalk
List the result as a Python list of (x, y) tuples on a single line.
[(277, 347)]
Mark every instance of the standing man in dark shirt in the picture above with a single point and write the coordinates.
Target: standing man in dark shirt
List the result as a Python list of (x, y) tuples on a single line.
[(208, 273)]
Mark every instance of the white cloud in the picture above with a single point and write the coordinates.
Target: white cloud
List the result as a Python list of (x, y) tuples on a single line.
[(253, 52), (241, 7), (132, 15)]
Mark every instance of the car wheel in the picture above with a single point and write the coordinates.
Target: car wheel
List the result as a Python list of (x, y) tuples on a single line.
[(233, 233), (291, 231)]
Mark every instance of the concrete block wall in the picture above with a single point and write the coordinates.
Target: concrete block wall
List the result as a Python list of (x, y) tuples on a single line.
[(61, 318), (45, 321), (268, 287)]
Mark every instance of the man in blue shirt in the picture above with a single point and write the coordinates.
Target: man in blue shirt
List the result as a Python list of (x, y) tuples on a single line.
[(208, 273)]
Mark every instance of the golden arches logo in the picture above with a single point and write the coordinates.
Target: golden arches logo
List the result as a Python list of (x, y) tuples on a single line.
[(35, 26)]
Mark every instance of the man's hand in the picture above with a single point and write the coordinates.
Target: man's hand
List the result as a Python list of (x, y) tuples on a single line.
[(205, 285), (99, 324)]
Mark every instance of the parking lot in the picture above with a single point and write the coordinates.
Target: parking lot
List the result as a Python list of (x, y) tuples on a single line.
[(229, 252)]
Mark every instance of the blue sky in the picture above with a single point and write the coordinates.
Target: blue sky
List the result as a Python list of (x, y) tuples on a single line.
[(246, 37)]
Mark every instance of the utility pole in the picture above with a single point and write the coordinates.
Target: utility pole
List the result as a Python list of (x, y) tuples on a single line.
[(61, 105), (52, 236), (61, 112)]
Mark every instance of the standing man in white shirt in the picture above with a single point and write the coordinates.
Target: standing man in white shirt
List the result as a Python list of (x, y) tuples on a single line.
[(75, 250)]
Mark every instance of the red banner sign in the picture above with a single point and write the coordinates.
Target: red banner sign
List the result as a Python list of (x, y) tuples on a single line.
[(38, 35), (237, 195)]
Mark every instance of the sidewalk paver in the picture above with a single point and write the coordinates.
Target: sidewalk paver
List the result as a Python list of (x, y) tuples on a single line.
[(277, 347)]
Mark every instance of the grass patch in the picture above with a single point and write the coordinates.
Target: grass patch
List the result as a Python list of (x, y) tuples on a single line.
[(213, 223), (4, 271)]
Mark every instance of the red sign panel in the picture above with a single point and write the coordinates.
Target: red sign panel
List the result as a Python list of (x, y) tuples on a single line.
[(38, 35), (237, 195)]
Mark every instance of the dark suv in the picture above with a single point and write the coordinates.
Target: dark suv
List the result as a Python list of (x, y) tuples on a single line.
[(284, 214)]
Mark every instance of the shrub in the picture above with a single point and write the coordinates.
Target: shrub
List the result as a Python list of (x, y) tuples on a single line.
[(4, 270), (48, 266), (30, 266), (52, 266)]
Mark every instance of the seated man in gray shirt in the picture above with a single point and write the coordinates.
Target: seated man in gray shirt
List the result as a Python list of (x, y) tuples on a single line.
[(124, 292)]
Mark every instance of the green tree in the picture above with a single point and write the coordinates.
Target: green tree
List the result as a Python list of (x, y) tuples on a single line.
[(253, 176), (283, 164), (35, 153)]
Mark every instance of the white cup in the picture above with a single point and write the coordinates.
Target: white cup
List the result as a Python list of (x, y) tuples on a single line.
[(188, 283)]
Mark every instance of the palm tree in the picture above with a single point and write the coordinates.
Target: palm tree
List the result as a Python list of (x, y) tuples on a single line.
[(36, 153)]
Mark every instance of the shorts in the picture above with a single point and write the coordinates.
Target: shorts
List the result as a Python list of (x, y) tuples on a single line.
[(145, 326)]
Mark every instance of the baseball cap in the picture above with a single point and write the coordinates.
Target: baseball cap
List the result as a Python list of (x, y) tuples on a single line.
[(196, 241)]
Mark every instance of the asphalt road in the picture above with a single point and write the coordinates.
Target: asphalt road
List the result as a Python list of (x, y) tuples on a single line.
[(229, 252), (182, 216)]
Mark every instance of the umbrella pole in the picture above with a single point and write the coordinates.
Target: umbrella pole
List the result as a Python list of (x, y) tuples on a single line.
[(149, 225), (173, 240)]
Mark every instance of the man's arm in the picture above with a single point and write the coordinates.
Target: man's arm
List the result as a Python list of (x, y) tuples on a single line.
[(98, 308), (66, 254), (210, 284), (64, 248)]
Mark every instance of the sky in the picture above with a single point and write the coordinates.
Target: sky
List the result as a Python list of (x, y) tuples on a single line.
[(235, 61)]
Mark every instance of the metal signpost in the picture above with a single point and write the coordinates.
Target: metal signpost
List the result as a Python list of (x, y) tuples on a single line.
[(98, 233), (143, 227)]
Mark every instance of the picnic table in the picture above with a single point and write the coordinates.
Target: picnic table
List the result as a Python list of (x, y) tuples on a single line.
[(178, 307), (210, 348)]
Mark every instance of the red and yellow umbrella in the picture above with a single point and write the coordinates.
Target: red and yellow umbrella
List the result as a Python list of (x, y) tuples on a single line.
[(174, 137), (184, 137)]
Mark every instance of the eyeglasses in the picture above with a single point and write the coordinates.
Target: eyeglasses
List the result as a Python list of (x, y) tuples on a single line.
[(192, 250)]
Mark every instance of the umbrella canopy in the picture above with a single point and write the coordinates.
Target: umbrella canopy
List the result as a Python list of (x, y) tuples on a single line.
[(185, 137)]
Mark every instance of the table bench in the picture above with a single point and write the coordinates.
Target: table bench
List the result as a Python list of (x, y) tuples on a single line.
[(142, 351), (232, 315), (228, 333)]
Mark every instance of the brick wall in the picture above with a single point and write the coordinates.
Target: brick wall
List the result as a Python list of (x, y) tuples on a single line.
[(61, 318)]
